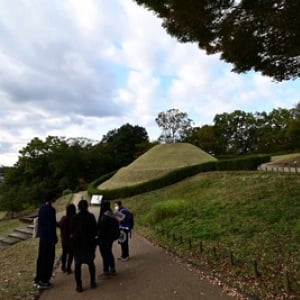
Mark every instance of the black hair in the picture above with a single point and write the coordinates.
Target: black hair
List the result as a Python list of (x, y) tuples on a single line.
[(83, 205), (71, 209), (50, 196), (105, 205), (119, 203)]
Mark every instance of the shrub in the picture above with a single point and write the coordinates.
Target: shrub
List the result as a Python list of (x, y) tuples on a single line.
[(167, 209)]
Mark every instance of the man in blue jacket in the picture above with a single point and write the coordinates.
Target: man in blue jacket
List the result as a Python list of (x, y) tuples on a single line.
[(126, 225), (48, 239)]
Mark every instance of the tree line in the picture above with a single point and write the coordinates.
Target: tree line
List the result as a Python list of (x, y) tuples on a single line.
[(240, 132), (70, 164), (67, 164)]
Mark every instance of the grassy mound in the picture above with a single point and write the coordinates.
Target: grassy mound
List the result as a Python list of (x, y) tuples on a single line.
[(156, 162)]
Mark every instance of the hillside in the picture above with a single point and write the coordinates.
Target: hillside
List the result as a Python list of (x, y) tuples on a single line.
[(158, 161), (254, 215)]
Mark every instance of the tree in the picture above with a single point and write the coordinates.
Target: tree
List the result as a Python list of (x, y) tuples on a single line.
[(126, 143), (294, 128), (175, 125), (204, 138), (259, 35)]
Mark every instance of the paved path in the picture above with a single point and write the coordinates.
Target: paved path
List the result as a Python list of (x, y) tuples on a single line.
[(149, 274)]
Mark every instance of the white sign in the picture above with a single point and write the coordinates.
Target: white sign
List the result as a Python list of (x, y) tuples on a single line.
[(96, 199)]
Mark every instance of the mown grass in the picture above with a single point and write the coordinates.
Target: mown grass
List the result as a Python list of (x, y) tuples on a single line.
[(156, 162), (255, 215)]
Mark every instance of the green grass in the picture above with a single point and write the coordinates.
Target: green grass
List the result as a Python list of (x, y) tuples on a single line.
[(285, 157), (7, 226), (256, 215), (2, 214)]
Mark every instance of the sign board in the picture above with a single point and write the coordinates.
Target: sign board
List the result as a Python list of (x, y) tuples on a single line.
[(96, 199)]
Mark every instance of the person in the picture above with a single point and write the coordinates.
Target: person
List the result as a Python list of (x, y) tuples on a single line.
[(47, 241), (65, 230), (83, 234), (126, 225), (106, 222)]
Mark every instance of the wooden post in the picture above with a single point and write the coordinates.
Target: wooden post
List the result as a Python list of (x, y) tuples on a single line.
[(180, 239), (215, 252), (190, 243), (201, 247), (174, 237), (255, 269), (287, 283), (231, 259)]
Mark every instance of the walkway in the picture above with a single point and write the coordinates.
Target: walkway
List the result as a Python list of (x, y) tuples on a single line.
[(150, 274)]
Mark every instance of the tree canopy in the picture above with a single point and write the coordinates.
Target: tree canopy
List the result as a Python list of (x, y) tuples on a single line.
[(259, 35), (175, 125)]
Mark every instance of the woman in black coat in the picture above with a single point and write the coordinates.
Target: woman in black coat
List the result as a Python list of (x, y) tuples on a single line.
[(107, 227), (65, 229), (84, 227)]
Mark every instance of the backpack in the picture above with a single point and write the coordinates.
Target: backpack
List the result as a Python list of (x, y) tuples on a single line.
[(130, 219)]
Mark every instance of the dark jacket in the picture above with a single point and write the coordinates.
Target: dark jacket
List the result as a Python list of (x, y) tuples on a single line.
[(105, 224), (47, 224), (65, 230), (83, 233)]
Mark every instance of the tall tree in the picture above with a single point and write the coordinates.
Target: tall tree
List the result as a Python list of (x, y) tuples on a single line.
[(126, 143), (294, 128), (175, 125), (204, 138), (260, 35)]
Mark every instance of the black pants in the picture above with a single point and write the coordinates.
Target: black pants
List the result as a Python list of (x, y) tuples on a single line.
[(77, 273), (125, 245), (107, 256), (66, 258), (45, 261)]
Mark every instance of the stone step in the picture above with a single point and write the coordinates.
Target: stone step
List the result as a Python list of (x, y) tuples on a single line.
[(27, 231), (3, 245), (9, 241), (19, 235), (27, 219)]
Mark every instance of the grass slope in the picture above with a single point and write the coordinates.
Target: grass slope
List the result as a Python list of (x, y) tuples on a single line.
[(256, 215), (158, 161)]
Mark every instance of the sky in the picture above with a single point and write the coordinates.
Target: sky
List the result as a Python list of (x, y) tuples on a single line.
[(73, 68)]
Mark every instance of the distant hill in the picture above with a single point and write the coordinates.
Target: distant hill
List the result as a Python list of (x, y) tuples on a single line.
[(156, 162)]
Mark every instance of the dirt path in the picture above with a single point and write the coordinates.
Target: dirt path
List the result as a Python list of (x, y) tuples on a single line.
[(149, 274)]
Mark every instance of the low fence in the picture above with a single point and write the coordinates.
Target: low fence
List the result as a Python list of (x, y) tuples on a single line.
[(274, 168), (284, 278)]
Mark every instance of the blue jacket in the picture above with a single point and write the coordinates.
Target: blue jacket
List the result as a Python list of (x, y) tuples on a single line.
[(126, 222)]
